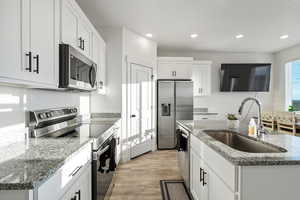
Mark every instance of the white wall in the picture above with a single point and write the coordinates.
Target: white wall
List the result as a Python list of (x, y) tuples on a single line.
[(281, 58), (15, 101), (222, 102)]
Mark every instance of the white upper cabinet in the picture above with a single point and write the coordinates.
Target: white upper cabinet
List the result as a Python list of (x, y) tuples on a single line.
[(29, 39), (84, 37), (76, 30), (69, 23), (99, 57), (10, 37), (31, 33), (174, 68), (42, 40), (202, 78)]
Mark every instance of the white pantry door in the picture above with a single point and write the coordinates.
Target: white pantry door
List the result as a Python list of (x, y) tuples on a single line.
[(140, 110)]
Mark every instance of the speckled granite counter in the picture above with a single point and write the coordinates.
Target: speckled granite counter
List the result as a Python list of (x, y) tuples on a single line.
[(290, 143), (26, 164)]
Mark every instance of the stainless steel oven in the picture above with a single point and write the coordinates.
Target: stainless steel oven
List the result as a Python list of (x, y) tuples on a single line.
[(76, 71), (102, 171)]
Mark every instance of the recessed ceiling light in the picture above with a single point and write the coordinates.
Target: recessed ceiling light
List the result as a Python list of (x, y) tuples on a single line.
[(284, 37), (194, 35), (149, 35), (239, 36)]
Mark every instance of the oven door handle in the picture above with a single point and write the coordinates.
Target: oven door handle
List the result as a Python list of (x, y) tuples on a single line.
[(184, 135), (102, 150)]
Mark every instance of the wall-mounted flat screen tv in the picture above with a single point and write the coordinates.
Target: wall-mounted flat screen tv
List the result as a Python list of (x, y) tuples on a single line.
[(245, 77)]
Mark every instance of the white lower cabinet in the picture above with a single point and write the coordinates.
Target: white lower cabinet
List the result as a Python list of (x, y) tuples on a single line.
[(206, 183), (72, 179), (81, 189)]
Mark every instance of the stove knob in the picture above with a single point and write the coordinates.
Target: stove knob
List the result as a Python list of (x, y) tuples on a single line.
[(42, 116), (48, 114)]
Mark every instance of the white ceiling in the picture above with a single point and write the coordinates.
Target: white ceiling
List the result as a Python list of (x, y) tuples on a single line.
[(216, 21)]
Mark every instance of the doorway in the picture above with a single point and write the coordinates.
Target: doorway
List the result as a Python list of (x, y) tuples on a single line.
[(140, 101)]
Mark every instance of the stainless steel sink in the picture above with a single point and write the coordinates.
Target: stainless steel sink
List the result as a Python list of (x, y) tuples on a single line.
[(243, 143)]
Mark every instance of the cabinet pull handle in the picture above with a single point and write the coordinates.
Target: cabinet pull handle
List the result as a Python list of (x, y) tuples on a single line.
[(201, 177), (175, 73), (204, 183), (79, 194), (37, 70), (82, 44), (29, 68), (76, 170)]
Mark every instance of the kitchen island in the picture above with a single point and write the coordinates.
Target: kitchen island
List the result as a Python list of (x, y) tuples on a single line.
[(218, 171)]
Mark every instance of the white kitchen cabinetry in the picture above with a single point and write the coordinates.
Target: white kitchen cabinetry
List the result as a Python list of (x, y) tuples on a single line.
[(29, 38), (84, 36), (81, 189), (69, 22), (75, 29), (10, 37), (174, 68), (202, 78), (73, 176), (212, 177), (99, 57)]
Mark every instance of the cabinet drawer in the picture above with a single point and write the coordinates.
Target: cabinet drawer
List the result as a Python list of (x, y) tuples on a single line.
[(60, 181), (220, 166)]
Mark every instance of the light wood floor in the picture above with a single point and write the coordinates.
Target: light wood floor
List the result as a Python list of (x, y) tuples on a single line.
[(139, 178)]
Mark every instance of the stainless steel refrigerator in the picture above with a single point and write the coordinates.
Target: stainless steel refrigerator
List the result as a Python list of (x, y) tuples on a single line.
[(175, 102)]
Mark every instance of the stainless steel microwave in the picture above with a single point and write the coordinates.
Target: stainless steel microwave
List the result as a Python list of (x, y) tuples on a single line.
[(76, 71)]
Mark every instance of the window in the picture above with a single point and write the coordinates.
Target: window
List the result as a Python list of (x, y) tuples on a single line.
[(293, 84), (296, 84)]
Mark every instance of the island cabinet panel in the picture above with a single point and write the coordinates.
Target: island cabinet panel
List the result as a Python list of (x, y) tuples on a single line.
[(275, 182), (224, 169)]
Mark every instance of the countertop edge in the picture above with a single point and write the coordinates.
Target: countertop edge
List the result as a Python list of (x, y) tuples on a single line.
[(241, 161)]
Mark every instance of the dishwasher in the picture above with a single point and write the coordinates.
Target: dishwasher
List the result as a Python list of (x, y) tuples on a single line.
[(183, 156)]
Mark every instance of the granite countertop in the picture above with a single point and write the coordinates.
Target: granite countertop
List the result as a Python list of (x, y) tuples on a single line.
[(288, 142), (26, 164)]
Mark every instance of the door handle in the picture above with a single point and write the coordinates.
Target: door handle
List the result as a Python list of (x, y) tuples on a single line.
[(132, 116), (37, 70), (82, 44), (29, 68)]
